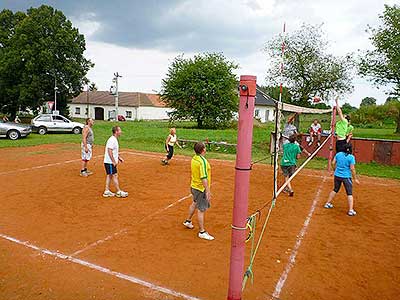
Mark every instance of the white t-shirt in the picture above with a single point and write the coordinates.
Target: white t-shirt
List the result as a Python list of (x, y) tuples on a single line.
[(112, 143), (316, 128), (172, 140)]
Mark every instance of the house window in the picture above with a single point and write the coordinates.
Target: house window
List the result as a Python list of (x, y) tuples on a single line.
[(129, 114), (77, 110), (257, 113), (86, 111)]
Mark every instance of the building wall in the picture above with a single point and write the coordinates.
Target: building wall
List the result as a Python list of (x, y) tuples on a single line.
[(264, 113), (130, 113)]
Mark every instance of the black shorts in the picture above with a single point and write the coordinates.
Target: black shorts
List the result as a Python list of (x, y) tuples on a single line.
[(341, 146), (170, 150), (110, 169), (347, 182), (288, 171)]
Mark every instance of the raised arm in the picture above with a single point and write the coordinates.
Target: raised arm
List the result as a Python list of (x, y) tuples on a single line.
[(291, 118), (339, 110)]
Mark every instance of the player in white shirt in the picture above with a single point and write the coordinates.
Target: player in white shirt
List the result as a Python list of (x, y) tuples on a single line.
[(111, 160), (315, 131), (170, 142)]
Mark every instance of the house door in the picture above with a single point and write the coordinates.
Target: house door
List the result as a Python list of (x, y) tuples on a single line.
[(383, 152), (99, 113)]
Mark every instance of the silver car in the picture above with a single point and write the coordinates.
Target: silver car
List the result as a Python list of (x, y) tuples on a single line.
[(13, 130), (55, 123)]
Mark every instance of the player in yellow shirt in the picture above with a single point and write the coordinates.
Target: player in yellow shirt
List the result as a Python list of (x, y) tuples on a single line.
[(200, 188)]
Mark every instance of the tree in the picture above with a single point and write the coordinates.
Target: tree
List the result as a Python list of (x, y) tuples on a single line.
[(274, 91), (38, 49), (347, 108), (368, 101), (308, 70), (382, 64), (203, 89), (93, 87), (390, 99)]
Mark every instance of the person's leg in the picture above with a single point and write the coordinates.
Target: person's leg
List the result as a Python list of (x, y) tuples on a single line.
[(116, 182), (319, 139), (191, 211), (108, 179), (337, 183), (350, 200), (200, 217)]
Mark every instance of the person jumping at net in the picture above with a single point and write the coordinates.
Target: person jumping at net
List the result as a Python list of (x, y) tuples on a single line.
[(170, 142), (344, 172), (200, 188), (291, 152), (315, 131), (342, 129)]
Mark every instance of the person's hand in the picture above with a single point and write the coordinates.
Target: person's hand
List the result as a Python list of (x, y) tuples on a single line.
[(115, 163), (357, 181), (121, 159), (208, 196), (86, 149)]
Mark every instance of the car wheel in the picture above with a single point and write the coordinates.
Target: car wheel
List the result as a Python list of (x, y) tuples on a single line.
[(13, 135), (42, 130), (76, 130)]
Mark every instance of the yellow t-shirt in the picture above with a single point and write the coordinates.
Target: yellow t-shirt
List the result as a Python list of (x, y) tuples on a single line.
[(201, 169)]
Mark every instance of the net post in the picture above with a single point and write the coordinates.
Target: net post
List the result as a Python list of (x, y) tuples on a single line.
[(242, 180), (333, 124)]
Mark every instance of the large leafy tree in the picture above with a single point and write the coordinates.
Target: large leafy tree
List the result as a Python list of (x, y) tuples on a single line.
[(308, 69), (382, 64), (368, 101), (202, 89), (37, 49)]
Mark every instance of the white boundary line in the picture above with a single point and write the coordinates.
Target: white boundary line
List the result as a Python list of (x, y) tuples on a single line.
[(90, 265), (300, 237), (124, 230), (45, 166)]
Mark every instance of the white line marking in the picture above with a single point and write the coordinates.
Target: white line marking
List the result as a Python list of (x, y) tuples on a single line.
[(124, 230), (300, 237), (45, 166), (90, 265)]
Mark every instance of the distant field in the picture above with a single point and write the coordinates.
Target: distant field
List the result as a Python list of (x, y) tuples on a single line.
[(150, 136)]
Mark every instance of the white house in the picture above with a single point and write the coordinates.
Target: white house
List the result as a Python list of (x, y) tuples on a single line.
[(264, 109), (100, 105)]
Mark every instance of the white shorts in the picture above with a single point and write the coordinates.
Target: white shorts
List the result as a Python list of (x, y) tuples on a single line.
[(86, 156)]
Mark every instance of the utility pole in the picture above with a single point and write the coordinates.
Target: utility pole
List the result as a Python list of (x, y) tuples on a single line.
[(116, 93), (55, 93)]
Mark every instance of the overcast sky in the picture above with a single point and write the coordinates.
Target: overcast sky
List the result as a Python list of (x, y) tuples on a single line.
[(140, 38)]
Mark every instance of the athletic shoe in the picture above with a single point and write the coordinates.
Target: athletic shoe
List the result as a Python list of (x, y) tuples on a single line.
[(319, 144), (351, 213), (205, 235), (328, 205), (121, 194), (108, 194), (89, 172), (310, 143), (291, 193), (164, 162), (188, 224)]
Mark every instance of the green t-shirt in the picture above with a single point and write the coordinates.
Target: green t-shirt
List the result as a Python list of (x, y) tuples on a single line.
[(290, 152), (350, 129), (341, 128)]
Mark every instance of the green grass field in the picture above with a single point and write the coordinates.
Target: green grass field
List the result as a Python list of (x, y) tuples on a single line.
[(150, 136)]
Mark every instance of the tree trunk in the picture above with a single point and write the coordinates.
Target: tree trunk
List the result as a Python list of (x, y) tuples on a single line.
[(200, 123)]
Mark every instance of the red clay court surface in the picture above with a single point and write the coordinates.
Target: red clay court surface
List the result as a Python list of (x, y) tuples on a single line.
[(60, 239)]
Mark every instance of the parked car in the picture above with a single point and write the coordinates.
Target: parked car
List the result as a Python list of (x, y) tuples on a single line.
[(55, 123), (14, 131)]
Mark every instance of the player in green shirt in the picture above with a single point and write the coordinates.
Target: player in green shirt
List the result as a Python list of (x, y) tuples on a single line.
[(291, 152), (342, 129)]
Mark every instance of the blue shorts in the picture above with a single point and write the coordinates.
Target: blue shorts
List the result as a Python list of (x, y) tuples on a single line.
[(110, 169)]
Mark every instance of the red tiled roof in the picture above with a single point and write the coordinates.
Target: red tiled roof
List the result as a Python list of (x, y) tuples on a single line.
[(125, 99)]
